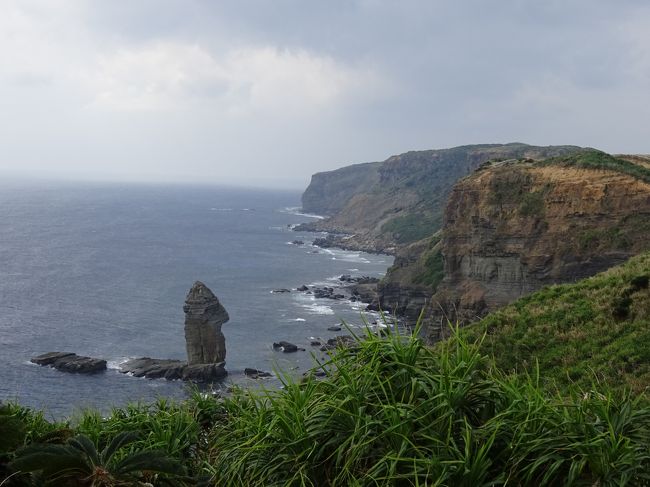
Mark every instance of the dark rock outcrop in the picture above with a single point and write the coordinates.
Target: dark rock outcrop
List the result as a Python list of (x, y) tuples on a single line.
[(174, 370), (344, 341), (71, 362), (328, 293), (256, 374), (204, 315), (286, 347)]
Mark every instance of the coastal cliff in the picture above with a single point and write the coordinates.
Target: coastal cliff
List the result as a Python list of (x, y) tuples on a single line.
[(385, 206), (515, 226)]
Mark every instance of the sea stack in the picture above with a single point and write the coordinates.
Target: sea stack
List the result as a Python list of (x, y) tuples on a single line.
[(204, 315)]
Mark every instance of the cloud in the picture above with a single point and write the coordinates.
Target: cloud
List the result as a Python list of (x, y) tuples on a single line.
[(163, 76), (240, 89)]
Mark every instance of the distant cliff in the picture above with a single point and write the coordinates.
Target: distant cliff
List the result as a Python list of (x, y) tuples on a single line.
[(330, 191), (388, 205), (513, 227)]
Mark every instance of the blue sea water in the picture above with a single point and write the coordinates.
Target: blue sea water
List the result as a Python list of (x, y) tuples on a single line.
[(103, 270)]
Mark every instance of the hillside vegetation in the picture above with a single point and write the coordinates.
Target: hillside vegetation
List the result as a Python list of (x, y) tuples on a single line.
[(593, 159), (594, 331)]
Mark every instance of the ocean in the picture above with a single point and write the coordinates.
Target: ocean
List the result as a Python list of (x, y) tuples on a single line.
[(103, 269)]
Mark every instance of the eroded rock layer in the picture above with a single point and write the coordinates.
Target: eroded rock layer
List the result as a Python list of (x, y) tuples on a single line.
[(515, 226)]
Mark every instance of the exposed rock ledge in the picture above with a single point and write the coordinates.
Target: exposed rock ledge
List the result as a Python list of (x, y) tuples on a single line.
[(71, 362), (174, 370)]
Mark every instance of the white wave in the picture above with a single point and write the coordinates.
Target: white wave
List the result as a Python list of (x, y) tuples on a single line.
[(326, 283), (357, 258), (298, 319), (296, 210), (116, 364), (318, 309), (352, 270)]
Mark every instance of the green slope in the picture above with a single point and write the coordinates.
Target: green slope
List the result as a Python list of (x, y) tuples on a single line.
[(597, 329)]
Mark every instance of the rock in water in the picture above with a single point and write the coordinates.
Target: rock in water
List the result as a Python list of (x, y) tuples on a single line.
[(71, 362), (204, 316)]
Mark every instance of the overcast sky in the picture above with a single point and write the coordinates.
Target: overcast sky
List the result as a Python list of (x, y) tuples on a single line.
[(265, 93)]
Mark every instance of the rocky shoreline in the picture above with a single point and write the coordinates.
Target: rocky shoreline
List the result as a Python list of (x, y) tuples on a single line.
[(340, 239)]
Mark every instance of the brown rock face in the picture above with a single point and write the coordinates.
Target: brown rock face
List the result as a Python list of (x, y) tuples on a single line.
[(204, 316), (512, 228)]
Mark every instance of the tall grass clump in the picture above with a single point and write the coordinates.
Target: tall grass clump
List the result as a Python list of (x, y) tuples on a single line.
[(394, 412)]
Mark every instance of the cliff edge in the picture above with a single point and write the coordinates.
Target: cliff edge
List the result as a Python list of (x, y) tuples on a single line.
[(515, 226)]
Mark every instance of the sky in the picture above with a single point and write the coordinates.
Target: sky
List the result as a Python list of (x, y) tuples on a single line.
[(266, 93)]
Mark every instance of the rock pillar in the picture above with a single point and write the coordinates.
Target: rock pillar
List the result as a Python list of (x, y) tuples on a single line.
[(204, 316)]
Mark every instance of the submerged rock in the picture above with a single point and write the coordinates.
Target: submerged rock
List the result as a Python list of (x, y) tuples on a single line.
[(71, 362), (286, 347), (204, 315), (255, 373)]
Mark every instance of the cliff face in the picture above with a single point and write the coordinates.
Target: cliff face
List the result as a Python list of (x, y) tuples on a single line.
[(513, 227), (330, 191), (388, 205)]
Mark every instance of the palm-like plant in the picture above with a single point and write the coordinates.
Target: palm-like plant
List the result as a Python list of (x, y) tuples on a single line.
[(79, 462)]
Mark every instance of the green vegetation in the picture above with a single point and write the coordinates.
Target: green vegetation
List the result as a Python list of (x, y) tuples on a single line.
[(79, 458), (511, 186), (594, 159), (594, 330), (532, 204), (390, 411), (593, 239), (411, 227), (432, 265)]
